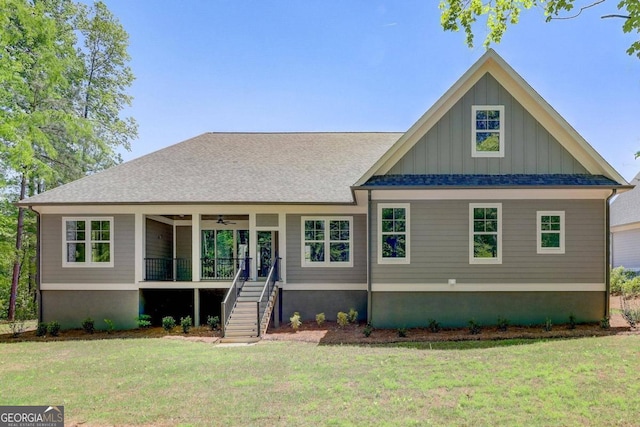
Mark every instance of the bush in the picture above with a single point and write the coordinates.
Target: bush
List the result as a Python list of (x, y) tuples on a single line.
[(53, 328), (503, 324), (143, 321), (402, 332), (605, 323), (342, 319), (367, 330), (630, 310), (353, 315), (620, 279), (572, 321), (41, 329), (547, 325), (185, 322), (631, 286), (213, 322), (110, 326), (434, 326), (320, 319), (474, 327), (17, 327), (168, 323), (295, 321), (88, 325)]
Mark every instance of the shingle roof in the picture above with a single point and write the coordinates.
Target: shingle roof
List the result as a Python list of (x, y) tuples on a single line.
[(625, 208), (232, 168), (515, 180)]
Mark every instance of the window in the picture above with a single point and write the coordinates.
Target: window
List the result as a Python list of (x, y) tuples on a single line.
[(393, 233), (487, 131), (550, 235), (485, 233), (87, 242), (326, 242)]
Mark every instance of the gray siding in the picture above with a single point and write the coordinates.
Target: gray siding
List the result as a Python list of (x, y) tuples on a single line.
[(183, 242), (159, 240), (446, 148), (267, 220), (455, 309), (123, 252), (440, 245), (70, 308), (625, 249), (298, 274), (310, 303)]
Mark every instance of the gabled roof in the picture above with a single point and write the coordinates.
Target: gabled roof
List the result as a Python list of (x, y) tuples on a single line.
[(490, 181), (234, 168), (625, 208), (493, 64)]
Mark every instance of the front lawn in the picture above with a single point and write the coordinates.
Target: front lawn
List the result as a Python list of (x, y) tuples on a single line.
[(586, 381)]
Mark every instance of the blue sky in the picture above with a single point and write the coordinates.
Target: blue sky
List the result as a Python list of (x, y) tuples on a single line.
[(275, 66)]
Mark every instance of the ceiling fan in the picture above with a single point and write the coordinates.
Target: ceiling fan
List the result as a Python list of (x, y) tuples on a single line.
[(222, 221)]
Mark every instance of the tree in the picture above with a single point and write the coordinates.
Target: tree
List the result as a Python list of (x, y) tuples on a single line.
[(499, 14)]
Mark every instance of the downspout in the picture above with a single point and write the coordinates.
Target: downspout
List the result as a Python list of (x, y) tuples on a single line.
[(369, 302), (607, 263)]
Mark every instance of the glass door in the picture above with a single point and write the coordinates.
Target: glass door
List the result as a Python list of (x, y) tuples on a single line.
[(266, 249)]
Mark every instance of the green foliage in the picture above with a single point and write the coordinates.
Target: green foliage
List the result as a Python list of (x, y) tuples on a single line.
[(168, 323), (295, 321), (402, 332), (474, 327), (434, 326), (110, 325), (572, 321), (630, 310), (53, 328), (368, 329), (605, 322), (353, 315), (618, 279), (320, 319), (213, 322), (88, 325), (632, 286), (16, 327), (185, 323), (503, 323), (342, 319), (41, 329), (548, 326), (143, 321)]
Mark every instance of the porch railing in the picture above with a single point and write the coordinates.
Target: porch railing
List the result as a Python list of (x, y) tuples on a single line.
[(267, 292), (220, 268), (167, 269), (229, 302)]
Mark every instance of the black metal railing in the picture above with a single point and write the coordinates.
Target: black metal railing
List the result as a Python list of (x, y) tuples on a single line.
[(267, 292), (167, 269), (229, 302), (223, 268)]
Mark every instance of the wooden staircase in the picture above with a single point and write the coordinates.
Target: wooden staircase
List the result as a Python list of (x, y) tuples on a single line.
[(242, 326)]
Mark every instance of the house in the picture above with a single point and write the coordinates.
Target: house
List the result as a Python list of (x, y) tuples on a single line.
[(490, 205), (625, 228)]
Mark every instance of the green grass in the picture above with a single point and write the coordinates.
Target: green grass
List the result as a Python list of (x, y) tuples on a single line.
[(589, 381)]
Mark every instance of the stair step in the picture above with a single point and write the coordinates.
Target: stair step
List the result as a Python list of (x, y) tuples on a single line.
[(239, 340)]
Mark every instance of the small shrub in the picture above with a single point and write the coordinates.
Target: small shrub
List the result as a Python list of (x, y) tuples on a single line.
[(143, 321), (88, 325), (353, 315), (320, 319), (503, 324), (185, 322), (434, 326), (53, 328), (548, 326), (605, 323), (213, 322), (110, 326), (342, 319), (630, 310), (402, 332), (41, 329), (17, 327), (474, 327), (572, 321), (367, 330), (295, 321), (168, 323)]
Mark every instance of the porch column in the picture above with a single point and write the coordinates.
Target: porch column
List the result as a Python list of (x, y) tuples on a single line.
[(195, 248), (139, 247), (282, 245), (253, 245), (196, 307)]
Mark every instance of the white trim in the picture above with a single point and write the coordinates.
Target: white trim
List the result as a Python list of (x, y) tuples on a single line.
[(327, 242), (407, 233), (212, 209), (323, 286), (488, 287), (498, 258), (474, 131), (491, 194), (87, 263), (89, 287), (282, 245), (139, 231), (625, 227), (561, 232), (253, 246), (196, 248)]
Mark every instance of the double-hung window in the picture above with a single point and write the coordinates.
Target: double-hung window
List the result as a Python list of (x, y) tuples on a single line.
[(87, 242), (393, 233), (327, 242), (487, 131), (485, 233), (550, 235)]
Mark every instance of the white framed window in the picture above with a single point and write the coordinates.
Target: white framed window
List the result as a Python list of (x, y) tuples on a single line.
[(393, 233), (487, 131), (87, 242), (550, 232), (327, 241), (485, 233)]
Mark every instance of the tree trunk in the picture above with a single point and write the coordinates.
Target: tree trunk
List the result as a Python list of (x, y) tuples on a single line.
[(16, 263)]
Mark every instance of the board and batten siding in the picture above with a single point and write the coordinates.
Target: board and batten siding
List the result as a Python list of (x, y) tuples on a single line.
[(326, 275), (440, 245), (625, 249), (446, 147), (159, 241), (123, 253)]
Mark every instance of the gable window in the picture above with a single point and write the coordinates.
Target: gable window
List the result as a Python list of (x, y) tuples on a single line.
[(393, 233), (487, 131), (87, 242), (327, 242), (485, 233), (550, 234)]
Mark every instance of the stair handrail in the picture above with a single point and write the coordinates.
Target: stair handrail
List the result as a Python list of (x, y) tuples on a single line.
[(267, 290), (226, 307)]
